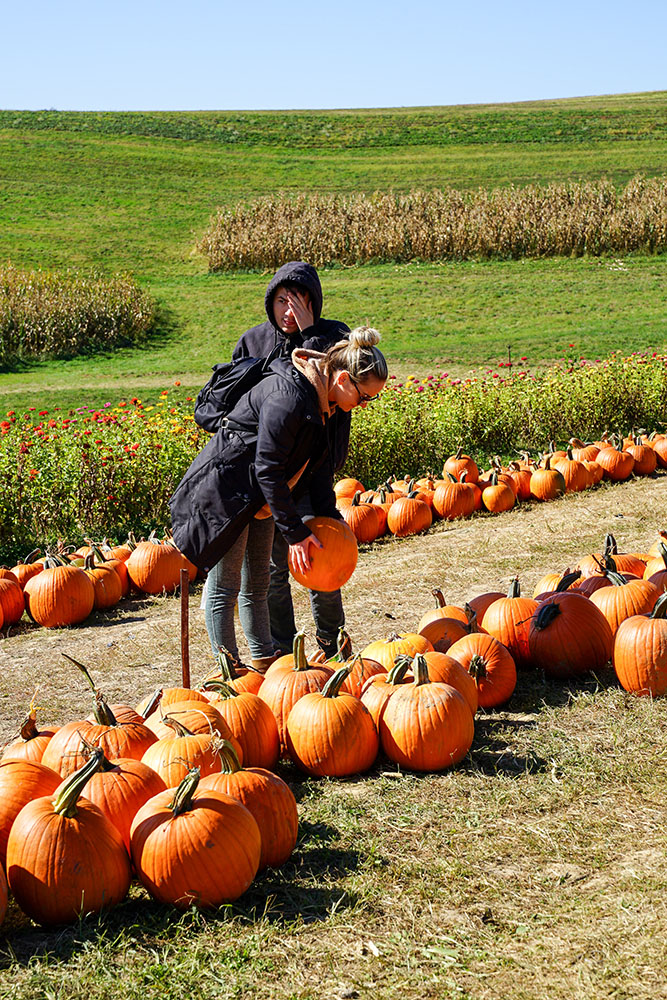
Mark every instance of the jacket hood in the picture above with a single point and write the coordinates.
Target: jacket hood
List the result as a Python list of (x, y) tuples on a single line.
[(296, 272)]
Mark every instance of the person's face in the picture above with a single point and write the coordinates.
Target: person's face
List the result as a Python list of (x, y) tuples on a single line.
[(283, 307), (347, 394)]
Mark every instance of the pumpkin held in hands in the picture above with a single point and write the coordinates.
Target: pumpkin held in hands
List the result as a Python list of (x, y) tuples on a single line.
[(333, 564)]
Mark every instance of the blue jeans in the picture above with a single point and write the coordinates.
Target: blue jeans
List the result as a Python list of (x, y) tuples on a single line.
[(243, 573), (327, 608)]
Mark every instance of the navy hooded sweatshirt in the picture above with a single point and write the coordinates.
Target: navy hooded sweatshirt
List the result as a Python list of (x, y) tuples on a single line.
[(266, 338)]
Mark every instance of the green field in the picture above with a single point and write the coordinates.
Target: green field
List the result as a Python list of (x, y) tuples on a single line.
[(132, 192)]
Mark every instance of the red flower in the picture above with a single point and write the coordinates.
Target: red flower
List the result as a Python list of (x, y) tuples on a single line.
[(43, 413)]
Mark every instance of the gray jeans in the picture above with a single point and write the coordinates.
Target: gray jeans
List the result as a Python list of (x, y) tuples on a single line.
[(327, 608), (243, 573)]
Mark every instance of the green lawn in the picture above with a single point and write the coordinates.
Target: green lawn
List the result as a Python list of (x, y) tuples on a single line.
[(77, 190)]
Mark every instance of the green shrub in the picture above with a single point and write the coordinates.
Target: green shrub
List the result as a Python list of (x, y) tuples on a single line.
[(43, 313), (106, 471)]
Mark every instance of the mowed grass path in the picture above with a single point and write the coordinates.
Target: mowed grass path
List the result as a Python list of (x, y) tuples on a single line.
[(137, 202), (533, 870)]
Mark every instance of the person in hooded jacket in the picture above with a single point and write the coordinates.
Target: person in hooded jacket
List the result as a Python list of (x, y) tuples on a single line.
[(293, 303), (240, 485)]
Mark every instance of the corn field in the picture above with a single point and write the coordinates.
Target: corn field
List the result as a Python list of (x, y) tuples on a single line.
[(554, 220), (45, 314)]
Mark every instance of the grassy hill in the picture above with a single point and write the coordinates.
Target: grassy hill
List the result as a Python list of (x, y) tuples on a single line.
[(132, 191)]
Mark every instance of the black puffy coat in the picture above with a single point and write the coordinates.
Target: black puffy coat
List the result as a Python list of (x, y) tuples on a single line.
[(262, 340), (270, 434)]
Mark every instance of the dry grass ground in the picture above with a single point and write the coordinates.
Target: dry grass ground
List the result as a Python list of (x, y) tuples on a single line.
[(536, 869)]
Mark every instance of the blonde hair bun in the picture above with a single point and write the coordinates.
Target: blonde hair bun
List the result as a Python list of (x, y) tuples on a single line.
[(363, 336)]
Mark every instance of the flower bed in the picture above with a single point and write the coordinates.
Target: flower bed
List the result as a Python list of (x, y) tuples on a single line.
[(110, 470)]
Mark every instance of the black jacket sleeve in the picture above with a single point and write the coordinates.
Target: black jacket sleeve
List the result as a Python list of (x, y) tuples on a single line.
[(279, 426)]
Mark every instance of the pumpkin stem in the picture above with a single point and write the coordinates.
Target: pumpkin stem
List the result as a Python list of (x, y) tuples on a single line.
[(153, 703), (567, 579), (29, 728), (477, 668), (472, 618), (439, 597), (610, 546), (420, 670), (88, 749), (400, 668), (343, 647), (332, 687), (179, 728), (660, 608), (514, 588), (546, 615), (299, 652), (229, 760), (221, 688), (101, 711), (65, 799), (182, 800), (226, 664)]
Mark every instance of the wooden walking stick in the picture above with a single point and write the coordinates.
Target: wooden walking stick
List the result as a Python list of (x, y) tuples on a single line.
[(185, 628)]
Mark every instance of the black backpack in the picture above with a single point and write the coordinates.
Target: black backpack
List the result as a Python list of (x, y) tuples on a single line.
[(229, 382)]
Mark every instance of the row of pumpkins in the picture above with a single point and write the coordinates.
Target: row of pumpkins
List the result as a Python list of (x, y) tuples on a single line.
[(181, 789), (63, 588), (409, 506)]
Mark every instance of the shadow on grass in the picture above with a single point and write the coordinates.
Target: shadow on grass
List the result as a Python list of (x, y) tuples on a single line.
[(305, 889)]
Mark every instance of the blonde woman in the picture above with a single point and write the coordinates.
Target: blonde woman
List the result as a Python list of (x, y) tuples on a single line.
[(275, 439)]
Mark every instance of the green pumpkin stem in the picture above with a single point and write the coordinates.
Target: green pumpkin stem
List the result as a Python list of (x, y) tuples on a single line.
[(332, 687), (153, 703), (221, 688), (226, 664), (660, 607), (179, 728), (299, 652), (182, 800), (400, 668), (420, 670), (514, 588), (102, 712), (65, 799), (229, 759), (567, 579)]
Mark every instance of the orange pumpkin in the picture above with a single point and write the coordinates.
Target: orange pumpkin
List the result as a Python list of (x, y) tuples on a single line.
[(426, 726), (330, 733), (64, 857), (195, 847), (267, 797), (333, 564)]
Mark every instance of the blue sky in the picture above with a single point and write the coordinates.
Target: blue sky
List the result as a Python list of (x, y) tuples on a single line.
[(211, 54)]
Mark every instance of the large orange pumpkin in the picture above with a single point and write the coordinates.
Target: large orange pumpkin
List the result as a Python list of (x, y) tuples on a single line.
[(569, 636), (267, 797), (333, 564), (64, 857), (640, 652), (195, 847), (426, 726), (59, 595), (331, 733)]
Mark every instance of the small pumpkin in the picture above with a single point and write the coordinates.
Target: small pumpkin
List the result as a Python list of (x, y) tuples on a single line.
[(330, 733)]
